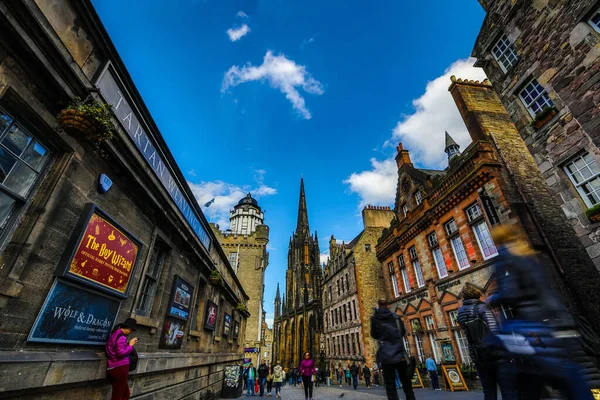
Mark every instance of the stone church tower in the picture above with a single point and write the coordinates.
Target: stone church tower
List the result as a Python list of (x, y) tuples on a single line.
[(298, 317), (245, 244)]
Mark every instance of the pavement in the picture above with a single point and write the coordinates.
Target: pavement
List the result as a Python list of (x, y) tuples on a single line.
[(362, 393)]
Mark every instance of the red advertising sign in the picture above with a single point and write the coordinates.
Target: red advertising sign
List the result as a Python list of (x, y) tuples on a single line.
[(105, 254)]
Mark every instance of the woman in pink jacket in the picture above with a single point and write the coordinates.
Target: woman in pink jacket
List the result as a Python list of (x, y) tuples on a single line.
[(307, 370), (117, 354)]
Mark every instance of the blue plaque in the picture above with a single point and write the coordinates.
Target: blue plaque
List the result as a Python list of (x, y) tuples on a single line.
[(74, 315), (104, 183)]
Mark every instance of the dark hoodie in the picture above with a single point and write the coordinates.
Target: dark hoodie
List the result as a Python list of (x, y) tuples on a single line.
[(384, 329)]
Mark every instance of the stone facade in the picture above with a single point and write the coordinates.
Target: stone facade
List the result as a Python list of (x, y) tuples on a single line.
[(352, 284), (557, 44), (266, 349), (298, 320), (440, 240), (247, 253), (51, 51)]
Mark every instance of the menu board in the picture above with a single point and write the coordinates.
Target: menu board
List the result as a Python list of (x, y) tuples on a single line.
[(453, 378)]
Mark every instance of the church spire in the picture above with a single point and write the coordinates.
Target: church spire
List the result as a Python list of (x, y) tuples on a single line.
[(277, 295), (302, 211), (452, 148)]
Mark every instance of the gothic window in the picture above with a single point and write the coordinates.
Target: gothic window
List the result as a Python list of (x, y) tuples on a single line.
[(535, 98), (338, 285), (584, 173), (358, 343), (345, 314), (504, 52)]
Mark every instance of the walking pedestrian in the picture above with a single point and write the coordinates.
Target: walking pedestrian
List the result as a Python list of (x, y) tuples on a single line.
[(250, 376), (376, 377), (433, 373), (307, 370), (367, 376), (278, 379), (340, 374), (388, 330), (263, 372), (354, 373), (479, 324), (541, 333), (270, 382), (348, 374), (118, 350)]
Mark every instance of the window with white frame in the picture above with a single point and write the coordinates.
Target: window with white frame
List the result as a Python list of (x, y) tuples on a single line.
[(440, 263), (535, 98), (22, 159), (463, 346), (482, 232), (393, 279), (418, 272), (451, 227), (406, 345), (504, 52), (459, 252), (232, 258), (429, 323), (453, 318), (405, 280), (418, 198), (437, 351), (594, 21), (473, 212), (420, 350), (584, 173), (405, 210), (432, 239)]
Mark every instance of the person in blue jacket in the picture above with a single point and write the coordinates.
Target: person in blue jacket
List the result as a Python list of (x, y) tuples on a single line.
[(433, 373)]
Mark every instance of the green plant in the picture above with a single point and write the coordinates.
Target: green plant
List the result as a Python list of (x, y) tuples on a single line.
[(97, 115), (215, 277), (593, 211), (421, 366), (468, 370), (417, 328), (241, 307), (543, 114)]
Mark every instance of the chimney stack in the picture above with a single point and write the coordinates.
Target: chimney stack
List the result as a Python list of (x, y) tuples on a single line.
[(403, 157)]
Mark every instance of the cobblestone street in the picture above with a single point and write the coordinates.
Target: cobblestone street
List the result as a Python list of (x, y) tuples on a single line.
[(375, 393)]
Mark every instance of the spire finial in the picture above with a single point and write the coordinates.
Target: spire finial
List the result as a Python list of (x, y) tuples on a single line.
[(302, 211), (452, 148)]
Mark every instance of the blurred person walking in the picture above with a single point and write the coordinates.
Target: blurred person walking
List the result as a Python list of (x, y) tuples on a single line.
[(270, 382), (250, 376), (539, 331), (354, 373), (278, 379), (433, 373), (388, 330), (480, 325), (367, 376), (307, 371), (263, 372)]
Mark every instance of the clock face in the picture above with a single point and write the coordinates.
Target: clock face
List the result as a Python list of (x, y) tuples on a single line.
[(454, 377)]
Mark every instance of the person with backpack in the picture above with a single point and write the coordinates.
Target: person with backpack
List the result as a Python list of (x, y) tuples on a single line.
[(480, 326), (388, 330), (278, 379), (118, 354), (263, 372)]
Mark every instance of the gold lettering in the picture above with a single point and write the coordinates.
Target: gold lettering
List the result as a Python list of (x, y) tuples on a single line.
[(91, 243)]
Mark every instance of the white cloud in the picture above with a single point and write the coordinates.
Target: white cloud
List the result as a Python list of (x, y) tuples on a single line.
[(422, 133), (269, 319), (324, 257), (236, 34), (306, 42), (226, 196), (191, 172), (376, 186), (242, 14), (282, 74)]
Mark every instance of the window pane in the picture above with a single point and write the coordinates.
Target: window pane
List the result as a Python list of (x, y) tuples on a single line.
[(6, 206), (21, 179), (6, 163), (440, 263), (35, 155), (488, 249), (460, 253), (5, 121), (16, 140)]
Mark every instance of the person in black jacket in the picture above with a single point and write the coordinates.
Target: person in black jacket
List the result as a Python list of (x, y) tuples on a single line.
[(479, 324), (388, 329), (354, 373), (367, 376), (263, 372)]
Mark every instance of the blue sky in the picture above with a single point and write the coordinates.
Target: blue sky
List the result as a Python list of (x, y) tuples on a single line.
[(250, 95)]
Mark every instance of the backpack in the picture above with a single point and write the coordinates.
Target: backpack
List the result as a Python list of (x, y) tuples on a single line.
[(277, 373), (478, 335), (133, 356)]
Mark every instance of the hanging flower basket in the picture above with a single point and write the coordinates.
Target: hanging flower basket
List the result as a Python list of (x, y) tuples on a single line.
[(593, 213), (241, 308), (215, 277), (87, 120)]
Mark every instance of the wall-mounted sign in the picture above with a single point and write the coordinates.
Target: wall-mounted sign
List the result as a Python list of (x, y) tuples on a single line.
[(104, 183), (488, 206), (73, 315), (454, 379), (172, 334), (210, 319), (115, 94), (251, 350), (448, 353), (100, 253), (226, 324), (423, 295), (448, 285), (181, 297)]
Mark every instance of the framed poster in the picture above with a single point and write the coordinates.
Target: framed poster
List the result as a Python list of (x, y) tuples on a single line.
[(448, 353), (210, 319), (226, 324), (416, 379), (74, 315), (236, 330), (171, 336), (100, 253), (454, 379), (181, 298)]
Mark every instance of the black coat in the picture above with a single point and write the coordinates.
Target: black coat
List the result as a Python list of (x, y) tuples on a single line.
[(263, 371), (353, 370), (366, 372), (384, 329)]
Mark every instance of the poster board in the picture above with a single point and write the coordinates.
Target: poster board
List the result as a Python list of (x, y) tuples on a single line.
[(180, 300), (171, 336), (448, 353), (453, 378), (226, 324), (416, 380), (100, 253), (210, 319)]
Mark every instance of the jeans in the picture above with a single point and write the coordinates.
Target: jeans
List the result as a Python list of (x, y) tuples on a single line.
[(367, 381), (308, 386), (355, 382), (398, 382), (250, 386), (118, 379), (435, 382), (277, 387), (496, 374), (261, 384), (269, 387), (389, 372)]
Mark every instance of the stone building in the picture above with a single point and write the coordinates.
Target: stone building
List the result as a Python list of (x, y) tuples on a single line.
[(298, 316), (352, 283), (245, 244), (266, 349), (440, 240), (91, 234), (542, 58)]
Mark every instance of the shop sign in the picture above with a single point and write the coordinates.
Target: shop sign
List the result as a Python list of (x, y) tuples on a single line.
[(101, 253), (488, 206), (73, 315), (423, 295), (130, 120), (251, 350), (448, 285), (181, 297)]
